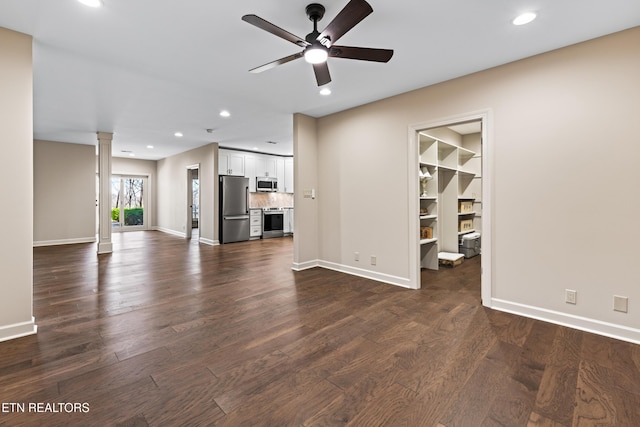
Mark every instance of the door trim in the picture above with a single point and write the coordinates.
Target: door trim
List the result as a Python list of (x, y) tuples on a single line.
[(485, 116), (188, 223), (145, 202)]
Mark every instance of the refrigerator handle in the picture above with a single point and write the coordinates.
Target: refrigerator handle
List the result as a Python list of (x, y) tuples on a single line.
[(246, 191)]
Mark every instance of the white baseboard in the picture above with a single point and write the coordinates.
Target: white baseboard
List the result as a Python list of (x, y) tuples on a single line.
[(598, 327), (105, 248), (18, 330), (299, 266), (39, 243), (169, 231), (209, 242), (368, 274)]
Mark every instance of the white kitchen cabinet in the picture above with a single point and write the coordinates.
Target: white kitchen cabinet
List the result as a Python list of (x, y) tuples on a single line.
[(230, 163), (288, 221), (291, 211), (266, 166), (280, 175), (255, 223), (250, 171), (253, 165), (288, 175), (285, 175)]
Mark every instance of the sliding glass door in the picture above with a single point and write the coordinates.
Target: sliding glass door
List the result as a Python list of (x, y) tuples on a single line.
[(128, 201)]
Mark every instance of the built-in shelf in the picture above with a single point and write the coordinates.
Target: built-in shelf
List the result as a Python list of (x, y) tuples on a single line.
[(447, 168), (427, 241), (455, 165), (428, 216)]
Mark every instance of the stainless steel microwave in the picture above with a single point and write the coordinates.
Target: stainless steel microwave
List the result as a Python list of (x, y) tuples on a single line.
[(266, 183)]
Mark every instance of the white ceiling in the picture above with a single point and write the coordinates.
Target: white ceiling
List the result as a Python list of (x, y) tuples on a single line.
[(145, 69)]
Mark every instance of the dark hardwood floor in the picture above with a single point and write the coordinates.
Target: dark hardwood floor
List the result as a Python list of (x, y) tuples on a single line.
[(167, 332)]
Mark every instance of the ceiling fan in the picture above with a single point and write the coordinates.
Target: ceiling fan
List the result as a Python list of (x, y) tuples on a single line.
[(320, 45)]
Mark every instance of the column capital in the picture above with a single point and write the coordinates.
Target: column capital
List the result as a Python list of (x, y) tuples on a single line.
[(105, 136)]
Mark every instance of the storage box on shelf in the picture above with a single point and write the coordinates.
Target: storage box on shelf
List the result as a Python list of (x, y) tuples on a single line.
[(470, 245), (466, 226), (426, 233), (465, 206)]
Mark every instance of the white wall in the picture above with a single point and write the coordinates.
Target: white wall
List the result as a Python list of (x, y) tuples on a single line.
[(64, 199), (172, 194), (563, 145), (305, 241), (16, 175)]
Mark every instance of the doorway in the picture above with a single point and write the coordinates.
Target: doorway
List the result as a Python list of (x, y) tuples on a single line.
[(128, 202), (449, 174), (192, 226)]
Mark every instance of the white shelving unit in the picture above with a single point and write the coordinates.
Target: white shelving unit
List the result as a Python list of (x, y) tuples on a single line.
[(455, 169)]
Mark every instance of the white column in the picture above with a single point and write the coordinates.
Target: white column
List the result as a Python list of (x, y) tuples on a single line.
[(104, 172), (16, 175)]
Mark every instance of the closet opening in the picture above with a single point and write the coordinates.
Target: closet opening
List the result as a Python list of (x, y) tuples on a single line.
[(452, 222)]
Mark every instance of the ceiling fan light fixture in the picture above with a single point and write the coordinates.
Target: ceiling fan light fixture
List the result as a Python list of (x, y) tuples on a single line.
[(315, 54)]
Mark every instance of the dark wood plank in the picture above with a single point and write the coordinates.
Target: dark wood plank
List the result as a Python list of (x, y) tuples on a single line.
[(556, 397), (165, 331)]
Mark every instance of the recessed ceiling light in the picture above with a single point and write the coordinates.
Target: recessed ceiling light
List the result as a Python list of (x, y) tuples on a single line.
[(132, 155), (325, 91), (525, 18), (225, 113), (91, 3), (256, 148), (178, 134), (149, 146)]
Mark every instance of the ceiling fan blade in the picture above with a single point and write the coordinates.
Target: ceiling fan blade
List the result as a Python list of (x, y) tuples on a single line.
[(361, 53), (277, 62), (354, 12), (274, 29), (322, 73)]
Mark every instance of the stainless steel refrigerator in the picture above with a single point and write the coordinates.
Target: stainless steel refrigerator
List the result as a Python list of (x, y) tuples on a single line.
[(234, 209)]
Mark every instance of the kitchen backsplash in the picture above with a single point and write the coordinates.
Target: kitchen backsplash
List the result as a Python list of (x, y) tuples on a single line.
[(271, 200)]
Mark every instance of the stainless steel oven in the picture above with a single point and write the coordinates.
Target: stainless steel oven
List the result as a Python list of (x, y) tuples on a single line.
[(272, 222)]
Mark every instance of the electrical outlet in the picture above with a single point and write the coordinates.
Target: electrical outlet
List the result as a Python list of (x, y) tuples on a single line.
[(570, 296), (620, 303), (373, 260), (356, 256)]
